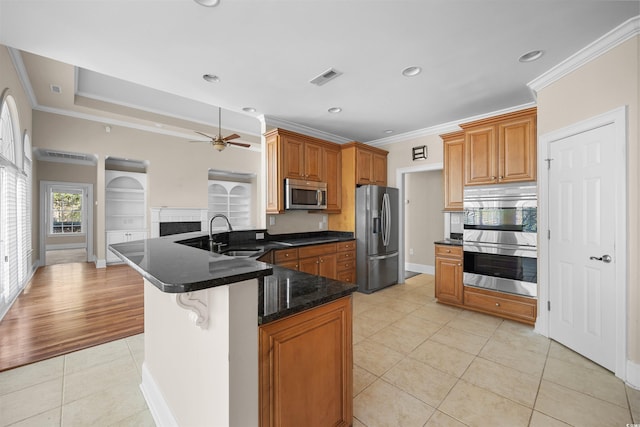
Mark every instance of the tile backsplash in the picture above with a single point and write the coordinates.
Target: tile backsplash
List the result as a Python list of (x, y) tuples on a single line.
[(455, 222)]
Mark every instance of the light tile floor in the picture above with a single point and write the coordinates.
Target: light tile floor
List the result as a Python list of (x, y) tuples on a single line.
[(416, 363)]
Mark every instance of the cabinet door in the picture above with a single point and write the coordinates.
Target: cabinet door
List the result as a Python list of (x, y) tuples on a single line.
[(517, 150), (293, 157), (453, 173), (449, 280), (136, 235), (328, 266), (333, 177), (364, 163), (305, 368), (291, 265), (114, 237), (309, 265), (313, 161), (379, 169), (480, 161)]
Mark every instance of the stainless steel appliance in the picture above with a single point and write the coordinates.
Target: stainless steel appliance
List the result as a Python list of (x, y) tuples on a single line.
[(377, 237), (500, 238), (307, 195)]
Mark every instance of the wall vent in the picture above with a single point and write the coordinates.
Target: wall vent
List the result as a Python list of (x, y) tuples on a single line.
[(55, 89), (64, 157), (325, 77)]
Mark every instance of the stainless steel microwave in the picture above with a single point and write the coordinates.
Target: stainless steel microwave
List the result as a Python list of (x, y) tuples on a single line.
[(307, 195)]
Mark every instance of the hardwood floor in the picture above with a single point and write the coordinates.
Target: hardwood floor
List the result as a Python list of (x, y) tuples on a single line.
[(67, 307)]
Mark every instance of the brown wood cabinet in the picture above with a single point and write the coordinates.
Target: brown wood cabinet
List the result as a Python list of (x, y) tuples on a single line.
[(346, 261), (501, 149), (453, 148), (509, 306), (297, 156), (448, 287), (361, 164), (320, 260), (305, 368)]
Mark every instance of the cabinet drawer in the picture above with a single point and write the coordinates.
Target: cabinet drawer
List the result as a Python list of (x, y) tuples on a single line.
[(347, 276), (317, 250), (448, 250), (285, 255), (510, 306), (346, 265), (346, 246), (346, 256)]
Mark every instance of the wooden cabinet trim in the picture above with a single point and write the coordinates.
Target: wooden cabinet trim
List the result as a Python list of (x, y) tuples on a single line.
[(512, 307), (501, 118), (316, 250)]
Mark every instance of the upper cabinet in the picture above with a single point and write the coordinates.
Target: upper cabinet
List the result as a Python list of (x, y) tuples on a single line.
[(500, 149), (297, 156), (453, 148), (371, 165)]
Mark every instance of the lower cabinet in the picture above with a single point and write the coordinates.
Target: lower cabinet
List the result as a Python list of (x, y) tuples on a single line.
[(509, 306), (332, 260), (120, 237), (305, 368), (449, 274)]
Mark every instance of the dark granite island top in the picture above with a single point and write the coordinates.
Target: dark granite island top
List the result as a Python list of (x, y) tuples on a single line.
[(173, 267)]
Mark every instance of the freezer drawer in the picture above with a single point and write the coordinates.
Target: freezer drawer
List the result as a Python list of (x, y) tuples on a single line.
[(377, 272)]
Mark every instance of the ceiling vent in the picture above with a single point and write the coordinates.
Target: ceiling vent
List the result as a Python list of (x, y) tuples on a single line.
[(64, 157), (55, 89), (325, 77)]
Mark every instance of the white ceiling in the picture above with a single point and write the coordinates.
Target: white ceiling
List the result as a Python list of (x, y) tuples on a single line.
[(151, 55)]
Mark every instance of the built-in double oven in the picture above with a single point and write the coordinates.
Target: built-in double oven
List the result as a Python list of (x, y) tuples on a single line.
[(500, 238)]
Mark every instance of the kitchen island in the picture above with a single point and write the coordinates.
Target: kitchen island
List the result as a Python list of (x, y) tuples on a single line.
[(224, 336)]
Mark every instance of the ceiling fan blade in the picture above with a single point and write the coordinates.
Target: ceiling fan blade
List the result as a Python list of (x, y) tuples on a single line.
[(239, 144), (233, 136), (202, 142), (204, 134)]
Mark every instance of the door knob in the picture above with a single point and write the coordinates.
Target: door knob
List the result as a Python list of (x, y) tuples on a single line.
[(603, 258)]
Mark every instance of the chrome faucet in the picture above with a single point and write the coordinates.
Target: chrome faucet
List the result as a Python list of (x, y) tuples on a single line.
[(217, 246)]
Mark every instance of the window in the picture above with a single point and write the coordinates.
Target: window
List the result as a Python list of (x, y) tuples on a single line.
[(15, 204), (66, 214)]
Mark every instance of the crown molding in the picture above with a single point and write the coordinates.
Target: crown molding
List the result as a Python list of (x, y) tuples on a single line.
[(613, 38), (445, 127), (305, 130), (23, 76)]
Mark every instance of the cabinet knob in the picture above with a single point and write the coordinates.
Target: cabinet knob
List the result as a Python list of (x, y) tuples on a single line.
[(493, 177), (497, 304), (501, 177), (459, 265), (448, 250), (286, 255)]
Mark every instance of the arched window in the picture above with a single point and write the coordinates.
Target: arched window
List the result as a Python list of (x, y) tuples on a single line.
[(15, 185)]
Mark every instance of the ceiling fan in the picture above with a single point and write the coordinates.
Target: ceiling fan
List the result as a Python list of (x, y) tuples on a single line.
[(220, 143)]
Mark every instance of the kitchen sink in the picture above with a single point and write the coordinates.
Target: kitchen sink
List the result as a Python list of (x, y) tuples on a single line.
[(240, 253)]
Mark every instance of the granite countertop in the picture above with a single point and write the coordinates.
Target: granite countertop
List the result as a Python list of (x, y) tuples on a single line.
[(177, 264), (450, 242)]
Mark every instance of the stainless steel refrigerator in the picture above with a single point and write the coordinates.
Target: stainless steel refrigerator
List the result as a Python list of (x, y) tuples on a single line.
[(377, 237)]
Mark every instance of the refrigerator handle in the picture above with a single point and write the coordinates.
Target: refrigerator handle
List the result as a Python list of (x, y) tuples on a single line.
[(385, 219), (375, 258)]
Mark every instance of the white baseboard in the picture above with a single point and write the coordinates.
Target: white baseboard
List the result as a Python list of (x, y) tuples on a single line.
[(100, 263), (633, 375), (420, 268), (63, 246), (155, 401)]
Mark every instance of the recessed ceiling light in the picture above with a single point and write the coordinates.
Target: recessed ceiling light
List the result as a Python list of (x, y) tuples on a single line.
[(411, 71), (387, 131), (211, 78), (208, 3), (249, 110), (531, 56), (334, 110)]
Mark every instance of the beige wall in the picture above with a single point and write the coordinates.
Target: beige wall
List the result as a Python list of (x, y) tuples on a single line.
[(9, 79), (401, 155), (423, 216), (296, 222), (177, 173), (608, 82), (64, 172)]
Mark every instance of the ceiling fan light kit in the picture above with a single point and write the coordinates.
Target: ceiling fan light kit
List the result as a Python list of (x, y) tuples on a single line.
[(220, 143), (208, 3)]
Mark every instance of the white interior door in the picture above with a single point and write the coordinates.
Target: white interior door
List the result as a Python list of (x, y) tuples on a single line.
[(582, 273)]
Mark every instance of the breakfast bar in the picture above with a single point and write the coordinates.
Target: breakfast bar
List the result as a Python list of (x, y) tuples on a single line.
[(213, 324)]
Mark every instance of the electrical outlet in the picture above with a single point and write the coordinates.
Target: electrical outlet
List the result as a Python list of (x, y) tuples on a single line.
[(272, 220), (410, 251), (320, 225), (259, 236)]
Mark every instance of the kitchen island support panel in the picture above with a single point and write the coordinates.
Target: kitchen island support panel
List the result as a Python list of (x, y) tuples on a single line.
[(202, 376)]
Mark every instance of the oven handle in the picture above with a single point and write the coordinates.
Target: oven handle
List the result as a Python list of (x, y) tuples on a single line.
[(501, 249)]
